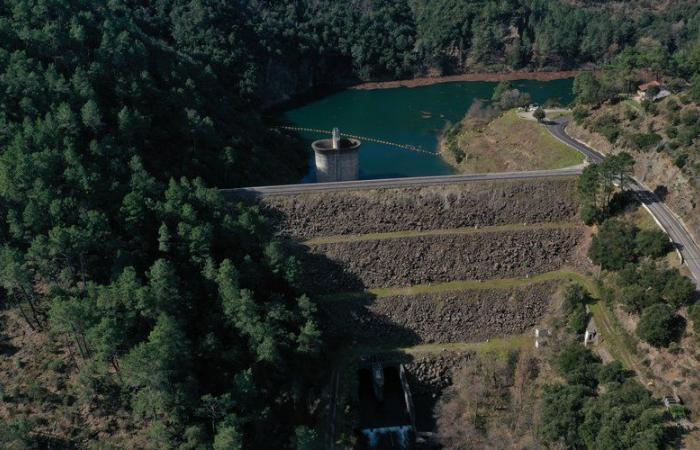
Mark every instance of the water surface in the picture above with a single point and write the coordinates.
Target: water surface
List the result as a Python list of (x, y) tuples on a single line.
[(410, 116)]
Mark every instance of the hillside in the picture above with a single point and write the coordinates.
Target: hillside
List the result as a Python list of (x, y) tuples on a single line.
[(503, 144), (663, 139)]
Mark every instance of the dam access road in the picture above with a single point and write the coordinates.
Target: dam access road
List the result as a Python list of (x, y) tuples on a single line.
[(664, 216), (667, 219)]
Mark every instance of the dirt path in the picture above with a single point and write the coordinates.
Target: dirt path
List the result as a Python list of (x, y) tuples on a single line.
[(494, 77)]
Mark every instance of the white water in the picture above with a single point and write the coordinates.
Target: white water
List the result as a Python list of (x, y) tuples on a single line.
[(400, 435)]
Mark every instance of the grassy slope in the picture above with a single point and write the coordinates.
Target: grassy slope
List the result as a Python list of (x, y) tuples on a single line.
[(509, 143), (439, 232)]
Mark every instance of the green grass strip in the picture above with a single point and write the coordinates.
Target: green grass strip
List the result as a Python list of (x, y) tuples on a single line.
[(454, 286), (446, 232), (499, 346)]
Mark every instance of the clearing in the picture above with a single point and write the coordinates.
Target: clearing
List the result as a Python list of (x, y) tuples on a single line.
[(506, 143)]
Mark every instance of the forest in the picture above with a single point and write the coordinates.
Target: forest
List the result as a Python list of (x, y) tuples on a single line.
[(169, 317)]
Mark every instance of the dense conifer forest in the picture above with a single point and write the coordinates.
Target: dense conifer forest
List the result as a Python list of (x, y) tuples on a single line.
[(171, 318)]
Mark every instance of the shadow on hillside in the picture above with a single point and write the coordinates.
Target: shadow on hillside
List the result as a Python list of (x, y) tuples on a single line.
[(353, 333)]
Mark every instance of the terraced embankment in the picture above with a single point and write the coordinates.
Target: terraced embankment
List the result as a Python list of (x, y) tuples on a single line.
[(437, 274), (472, 315), (480, 204), (359, 264)]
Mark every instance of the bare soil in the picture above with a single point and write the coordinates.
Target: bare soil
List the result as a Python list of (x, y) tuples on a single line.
[(306, 216), (484, 76)]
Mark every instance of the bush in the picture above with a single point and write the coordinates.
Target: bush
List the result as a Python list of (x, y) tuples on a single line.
[(678, 290), (659, 325), (580, 114), (672, 132), (611, 132), (561, 415), (690, 117), (678, 412), (614, 245), (578, 365), (648, 284), (574, 296), (644, 141), (591, 215), (636, 298), (652, 243), (681, 160), (614, 372), (687, 135), (672, 105), (539, 114), (578, 319), (694, 315)]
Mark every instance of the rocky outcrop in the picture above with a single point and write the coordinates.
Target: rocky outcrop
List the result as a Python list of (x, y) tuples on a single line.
[(353, 266), (463, 316), (438, 207), (430, 373)]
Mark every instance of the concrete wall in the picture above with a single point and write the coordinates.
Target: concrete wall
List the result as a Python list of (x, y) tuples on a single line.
[(337, 165)]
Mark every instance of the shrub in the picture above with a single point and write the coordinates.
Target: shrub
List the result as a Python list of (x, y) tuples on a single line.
[(686, 135), (694, 316), (644, 141), (614, 372), (578, 365), (562, 415), (636, 298), (672, 105), (672, 132), (659, 325), (613, 246), (574, 296), (690, 117), (539, 114), (578, 319), (590, 214), (611, 132), (678, 412), (681, 160), (652, 243), (678, 290), (580, 114)]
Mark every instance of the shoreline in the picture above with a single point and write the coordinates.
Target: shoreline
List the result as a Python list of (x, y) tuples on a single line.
[(484, 76)]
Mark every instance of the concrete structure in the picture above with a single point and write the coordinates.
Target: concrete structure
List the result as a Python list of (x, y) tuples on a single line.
[(337, 159)]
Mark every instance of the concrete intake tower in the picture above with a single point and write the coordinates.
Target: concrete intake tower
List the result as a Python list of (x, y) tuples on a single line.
[(337, 159)]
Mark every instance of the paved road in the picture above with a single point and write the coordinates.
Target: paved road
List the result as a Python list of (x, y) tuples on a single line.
[(558, 129), (293, 189), (668, 220)]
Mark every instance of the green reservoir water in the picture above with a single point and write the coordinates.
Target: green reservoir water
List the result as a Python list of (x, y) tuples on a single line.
[(409, 116)]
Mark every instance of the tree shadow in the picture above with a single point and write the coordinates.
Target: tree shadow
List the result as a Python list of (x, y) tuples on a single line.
[(6, 348), (661, 192)]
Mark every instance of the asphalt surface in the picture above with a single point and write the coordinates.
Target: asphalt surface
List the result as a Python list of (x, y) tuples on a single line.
[(668, 220)]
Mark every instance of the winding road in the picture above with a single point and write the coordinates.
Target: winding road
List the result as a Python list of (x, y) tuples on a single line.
[(667, 219)]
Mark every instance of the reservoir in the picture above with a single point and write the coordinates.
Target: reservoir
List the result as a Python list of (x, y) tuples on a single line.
[(407, 116)]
